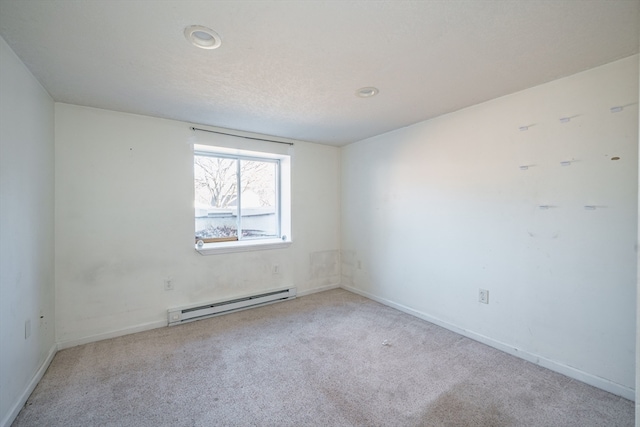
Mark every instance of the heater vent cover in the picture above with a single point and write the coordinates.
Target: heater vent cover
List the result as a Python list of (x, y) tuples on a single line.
[(202, 311)]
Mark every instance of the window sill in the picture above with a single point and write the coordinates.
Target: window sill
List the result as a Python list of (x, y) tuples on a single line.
[(242, 246)]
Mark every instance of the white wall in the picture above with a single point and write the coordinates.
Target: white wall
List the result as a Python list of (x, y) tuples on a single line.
[(124, 223), (435, 211), (26, 232)]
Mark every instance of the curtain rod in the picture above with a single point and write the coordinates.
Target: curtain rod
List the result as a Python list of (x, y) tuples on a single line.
[(240, 136)]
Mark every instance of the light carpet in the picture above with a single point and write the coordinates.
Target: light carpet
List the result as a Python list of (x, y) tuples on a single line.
[(327, 359)]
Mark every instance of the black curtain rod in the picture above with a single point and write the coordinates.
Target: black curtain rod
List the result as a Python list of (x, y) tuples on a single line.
[(240, 136)]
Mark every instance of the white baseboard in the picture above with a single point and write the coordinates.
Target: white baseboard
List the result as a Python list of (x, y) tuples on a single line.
[(153, 325), (316, 290), (601, 383), (569, 371), (17, 407), (112, 334)]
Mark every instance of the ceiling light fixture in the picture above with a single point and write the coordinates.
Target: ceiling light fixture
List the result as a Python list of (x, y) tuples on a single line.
[(367, 92), (202, 37)]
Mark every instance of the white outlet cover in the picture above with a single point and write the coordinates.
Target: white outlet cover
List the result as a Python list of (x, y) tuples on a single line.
[(483, 296)]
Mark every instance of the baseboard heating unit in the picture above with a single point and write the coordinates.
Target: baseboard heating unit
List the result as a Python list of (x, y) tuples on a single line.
[(202, 311)]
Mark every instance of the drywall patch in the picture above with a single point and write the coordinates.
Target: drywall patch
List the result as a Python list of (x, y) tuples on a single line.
[(348, 266), (324, 267)]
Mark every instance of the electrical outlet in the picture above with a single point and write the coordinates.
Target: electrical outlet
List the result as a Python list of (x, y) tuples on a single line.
[(483, 296), (27, 329), (168, 284)]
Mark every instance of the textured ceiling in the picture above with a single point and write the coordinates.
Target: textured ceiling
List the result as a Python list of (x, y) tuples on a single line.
[(291, 68)]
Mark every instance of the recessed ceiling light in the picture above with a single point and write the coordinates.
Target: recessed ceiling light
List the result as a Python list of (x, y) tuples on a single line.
[(202, 37), (367, 92)]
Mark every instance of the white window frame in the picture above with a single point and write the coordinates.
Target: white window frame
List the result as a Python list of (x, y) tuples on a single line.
[(283, 203)]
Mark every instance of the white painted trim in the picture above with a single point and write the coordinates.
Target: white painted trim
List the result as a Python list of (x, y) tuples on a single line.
[(17, 406), (242, 246), (157, 324), (112, 334), (601, 383), (316, 290)]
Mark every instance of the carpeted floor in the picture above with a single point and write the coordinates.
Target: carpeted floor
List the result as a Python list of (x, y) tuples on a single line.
[(327, 359)]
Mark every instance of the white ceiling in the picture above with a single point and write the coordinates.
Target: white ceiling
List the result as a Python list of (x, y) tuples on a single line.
[(291, 68)]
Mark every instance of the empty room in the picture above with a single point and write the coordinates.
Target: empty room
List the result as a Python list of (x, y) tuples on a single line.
[(319, 213)]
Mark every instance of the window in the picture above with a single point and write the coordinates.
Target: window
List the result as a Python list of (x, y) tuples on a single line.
[(241, 200)]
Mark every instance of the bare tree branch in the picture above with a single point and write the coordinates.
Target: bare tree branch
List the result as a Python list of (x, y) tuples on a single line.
[(216, 181)]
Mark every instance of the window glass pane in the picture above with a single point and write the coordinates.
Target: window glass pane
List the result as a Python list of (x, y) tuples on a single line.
[(216, 197), (259, 198)]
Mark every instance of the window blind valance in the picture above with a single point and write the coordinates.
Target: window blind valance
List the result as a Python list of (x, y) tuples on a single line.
[(236, 140)]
